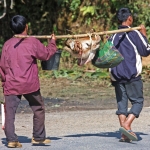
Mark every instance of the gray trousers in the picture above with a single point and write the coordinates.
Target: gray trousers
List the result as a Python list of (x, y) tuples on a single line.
[(37, 105), (132, 91)]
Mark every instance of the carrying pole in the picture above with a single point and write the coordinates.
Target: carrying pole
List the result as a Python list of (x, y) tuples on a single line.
[(3, 114), (79, 35)]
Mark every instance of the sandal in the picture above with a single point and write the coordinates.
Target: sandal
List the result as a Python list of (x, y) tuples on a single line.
[(129, 133)]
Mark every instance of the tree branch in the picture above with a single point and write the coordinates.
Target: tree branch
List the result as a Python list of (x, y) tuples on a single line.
[(11, 5), (4, 13)]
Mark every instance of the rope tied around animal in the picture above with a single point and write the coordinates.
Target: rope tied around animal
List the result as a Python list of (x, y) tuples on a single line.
[(83, 49)]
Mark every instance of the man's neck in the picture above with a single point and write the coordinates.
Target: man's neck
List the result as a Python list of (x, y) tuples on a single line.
[(24, 32), (125, 24)]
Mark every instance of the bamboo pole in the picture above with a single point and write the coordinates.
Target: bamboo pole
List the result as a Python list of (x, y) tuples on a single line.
[(3, 114), (79, 35)]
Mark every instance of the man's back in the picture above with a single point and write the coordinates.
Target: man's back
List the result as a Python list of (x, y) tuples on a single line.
[(132, 46), (18, 62)]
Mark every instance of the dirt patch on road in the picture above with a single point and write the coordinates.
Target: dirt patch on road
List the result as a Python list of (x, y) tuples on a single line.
[(83, 94), (67, 95)]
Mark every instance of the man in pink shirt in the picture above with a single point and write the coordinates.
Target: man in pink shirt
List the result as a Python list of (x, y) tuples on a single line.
[(19, 73)]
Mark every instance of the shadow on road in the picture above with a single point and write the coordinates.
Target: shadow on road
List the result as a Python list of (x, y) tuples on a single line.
[(107, 134), (24, 139)]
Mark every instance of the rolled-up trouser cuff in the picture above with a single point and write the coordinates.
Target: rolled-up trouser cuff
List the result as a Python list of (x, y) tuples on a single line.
[(121, 113), (126, 114)]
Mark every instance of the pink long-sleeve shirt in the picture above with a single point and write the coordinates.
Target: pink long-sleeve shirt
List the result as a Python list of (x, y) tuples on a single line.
[(18, 64)]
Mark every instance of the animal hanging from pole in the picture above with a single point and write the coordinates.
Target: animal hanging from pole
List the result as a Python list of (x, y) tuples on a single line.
[(83, 49)]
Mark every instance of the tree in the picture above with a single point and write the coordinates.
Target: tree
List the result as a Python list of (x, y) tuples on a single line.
[(5, 7)]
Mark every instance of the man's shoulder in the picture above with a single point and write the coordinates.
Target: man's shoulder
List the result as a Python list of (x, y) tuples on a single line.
[(9, 41), (33, 39), (135, 33)]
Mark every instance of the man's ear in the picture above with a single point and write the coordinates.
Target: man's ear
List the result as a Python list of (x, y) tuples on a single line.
[(130, 18), (26, 28)]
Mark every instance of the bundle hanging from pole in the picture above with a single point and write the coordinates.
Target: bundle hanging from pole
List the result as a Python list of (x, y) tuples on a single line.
[(83, 47)]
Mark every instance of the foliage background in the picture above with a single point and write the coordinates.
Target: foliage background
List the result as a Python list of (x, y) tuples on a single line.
[(71, 17)]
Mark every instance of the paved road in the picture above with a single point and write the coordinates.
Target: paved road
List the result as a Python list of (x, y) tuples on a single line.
[(82, 130)]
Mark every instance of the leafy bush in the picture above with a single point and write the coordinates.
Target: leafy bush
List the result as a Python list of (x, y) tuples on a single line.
[(71, 17)]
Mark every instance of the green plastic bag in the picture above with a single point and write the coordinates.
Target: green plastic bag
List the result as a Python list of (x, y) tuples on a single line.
[(107, 57)]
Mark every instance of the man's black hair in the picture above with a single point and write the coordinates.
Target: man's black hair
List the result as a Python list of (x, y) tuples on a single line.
[(18, 24), (123, 14)]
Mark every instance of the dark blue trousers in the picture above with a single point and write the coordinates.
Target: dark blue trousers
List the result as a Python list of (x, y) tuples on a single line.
[(132, 91)]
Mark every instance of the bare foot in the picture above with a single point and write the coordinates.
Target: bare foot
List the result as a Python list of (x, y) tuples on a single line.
[(126, 126), (124, 137)]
